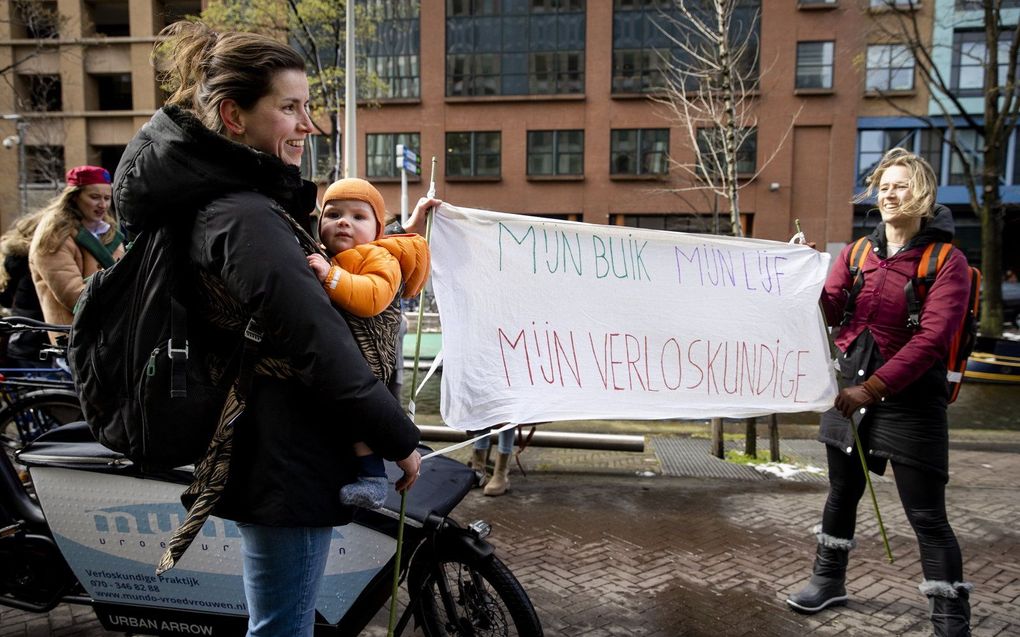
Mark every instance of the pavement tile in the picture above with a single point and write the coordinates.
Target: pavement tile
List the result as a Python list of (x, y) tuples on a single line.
[(603, 549)]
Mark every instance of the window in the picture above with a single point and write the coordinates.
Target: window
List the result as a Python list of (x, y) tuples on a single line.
[(39, 92), (472, 74), (814, 64), (471, 7), (381, 152), (710, 151), (643, 51), (683, 222), (109, 157), (816, 2), (393, 55), (890, 67), (473, 154), (555, 152), (35, 19), (639, 70), (970, 142), (113, 91), (555, 72), (894, 4), (516, 47), (44, 164), (317, 160), (969, 60), (109, 17), (639, 151), (872, 144), (170, 11), (973, 5)]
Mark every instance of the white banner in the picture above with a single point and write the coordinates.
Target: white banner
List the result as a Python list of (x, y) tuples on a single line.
[(556, 320)]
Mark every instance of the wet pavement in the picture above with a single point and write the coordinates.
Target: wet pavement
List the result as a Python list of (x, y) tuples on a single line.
[(656, 544)]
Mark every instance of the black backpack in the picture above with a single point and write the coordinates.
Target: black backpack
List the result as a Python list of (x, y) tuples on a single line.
[(144, 390)]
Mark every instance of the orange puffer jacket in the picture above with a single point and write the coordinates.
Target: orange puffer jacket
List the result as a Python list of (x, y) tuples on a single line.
[(364, 279)]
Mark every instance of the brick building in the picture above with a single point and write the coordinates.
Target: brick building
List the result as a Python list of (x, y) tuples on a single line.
[(540, 107)]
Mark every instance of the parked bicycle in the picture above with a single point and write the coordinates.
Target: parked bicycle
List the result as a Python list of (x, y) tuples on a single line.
[(35, 400), (96, 532)]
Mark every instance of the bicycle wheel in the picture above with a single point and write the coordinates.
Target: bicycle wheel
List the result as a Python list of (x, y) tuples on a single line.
[(23, 420), (474, 599)]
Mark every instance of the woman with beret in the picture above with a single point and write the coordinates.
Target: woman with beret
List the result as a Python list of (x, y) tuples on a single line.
[(77, 236)]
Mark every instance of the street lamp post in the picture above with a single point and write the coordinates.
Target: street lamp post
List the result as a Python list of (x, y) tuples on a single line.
[(19, 140), (350, 100)]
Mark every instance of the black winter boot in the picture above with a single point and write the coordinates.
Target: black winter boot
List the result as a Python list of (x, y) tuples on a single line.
[(827, 586), (948, 607)]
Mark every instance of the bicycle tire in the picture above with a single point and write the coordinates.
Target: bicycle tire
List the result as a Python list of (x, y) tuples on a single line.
[(483, 597), (36, 412)]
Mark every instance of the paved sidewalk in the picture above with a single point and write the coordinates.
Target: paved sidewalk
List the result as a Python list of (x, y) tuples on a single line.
[(615, 543)]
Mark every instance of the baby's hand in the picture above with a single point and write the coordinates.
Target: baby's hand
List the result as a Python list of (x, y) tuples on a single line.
[(318, 266)]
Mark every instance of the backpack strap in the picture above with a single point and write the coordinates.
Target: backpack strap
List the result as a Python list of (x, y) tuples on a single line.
[(858, 255), (916, 289), (177, 348)]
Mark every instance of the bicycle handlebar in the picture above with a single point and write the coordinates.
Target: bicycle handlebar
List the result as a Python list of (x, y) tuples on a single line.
[(10, 324)]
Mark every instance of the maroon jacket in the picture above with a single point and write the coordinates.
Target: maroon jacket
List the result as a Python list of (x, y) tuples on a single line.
[(881, 305)]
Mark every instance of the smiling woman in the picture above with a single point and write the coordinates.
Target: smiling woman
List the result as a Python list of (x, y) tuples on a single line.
[(76, 237), (219, 165), (892, 403)]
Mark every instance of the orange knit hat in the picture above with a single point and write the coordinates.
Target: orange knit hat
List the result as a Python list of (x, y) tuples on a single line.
[(361, 190)]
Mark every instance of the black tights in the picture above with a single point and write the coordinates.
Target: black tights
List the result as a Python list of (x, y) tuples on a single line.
[(923, 496)]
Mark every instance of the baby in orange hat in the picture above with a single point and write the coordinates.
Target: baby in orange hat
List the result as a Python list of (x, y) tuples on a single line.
[(365, 278)]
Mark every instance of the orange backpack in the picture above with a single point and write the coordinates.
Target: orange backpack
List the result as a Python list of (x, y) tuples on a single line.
[(928, 268)]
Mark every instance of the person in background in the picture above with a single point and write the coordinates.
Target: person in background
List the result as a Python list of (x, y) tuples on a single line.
[(223, 155), (499, 482), (17, 291), (366, 278), (892, 379), (76, 237)]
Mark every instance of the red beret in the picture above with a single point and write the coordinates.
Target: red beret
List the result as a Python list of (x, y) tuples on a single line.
[(85, 175)]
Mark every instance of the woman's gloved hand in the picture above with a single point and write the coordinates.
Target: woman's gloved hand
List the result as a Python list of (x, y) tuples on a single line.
[(850, 399)]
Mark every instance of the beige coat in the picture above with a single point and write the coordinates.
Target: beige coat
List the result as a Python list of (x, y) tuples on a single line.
[(59, 277)]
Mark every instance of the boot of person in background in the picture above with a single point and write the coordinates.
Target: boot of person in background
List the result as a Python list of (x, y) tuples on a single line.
[(827, 586), (478, 462), (500, 481), (948, 607)]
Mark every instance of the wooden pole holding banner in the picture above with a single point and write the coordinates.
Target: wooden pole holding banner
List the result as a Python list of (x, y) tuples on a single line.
[(853, 424), (411, 408)]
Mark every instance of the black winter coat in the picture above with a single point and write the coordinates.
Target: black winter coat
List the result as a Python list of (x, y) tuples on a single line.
[(292, 447)]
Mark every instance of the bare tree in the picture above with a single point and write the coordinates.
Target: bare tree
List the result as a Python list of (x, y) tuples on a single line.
[(316, 29), (35, 94), (711, 81), (981, 157)]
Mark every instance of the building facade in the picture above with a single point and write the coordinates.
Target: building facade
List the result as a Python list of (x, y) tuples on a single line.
[(541, 107), (77, 74), (958, 52)]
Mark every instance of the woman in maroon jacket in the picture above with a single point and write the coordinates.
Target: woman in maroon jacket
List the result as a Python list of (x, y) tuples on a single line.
[(893, 383)]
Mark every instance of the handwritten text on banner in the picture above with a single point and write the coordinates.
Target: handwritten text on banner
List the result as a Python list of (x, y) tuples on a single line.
[(556, 320)]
